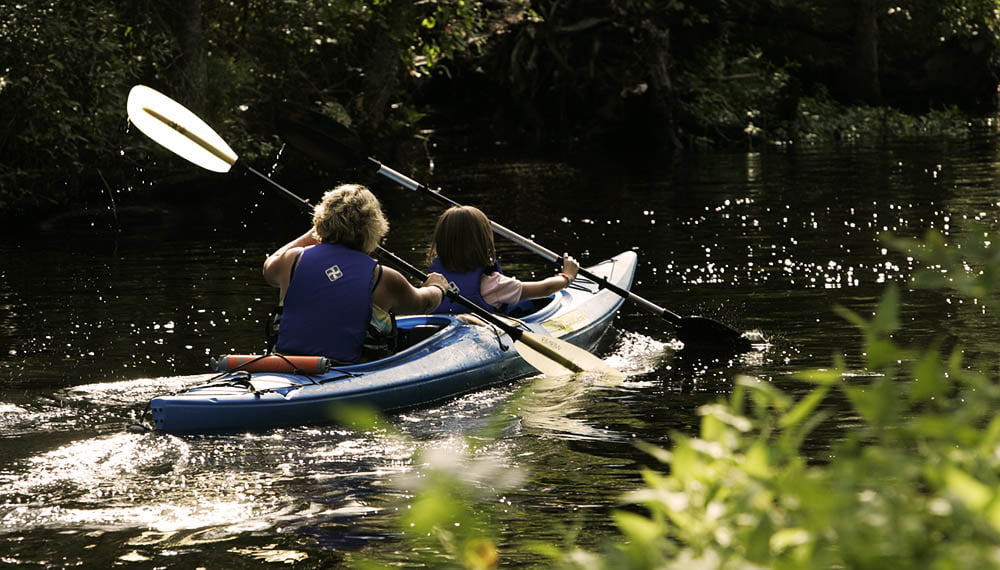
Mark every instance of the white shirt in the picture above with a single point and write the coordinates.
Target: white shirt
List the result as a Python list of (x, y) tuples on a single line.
[(498, 289)]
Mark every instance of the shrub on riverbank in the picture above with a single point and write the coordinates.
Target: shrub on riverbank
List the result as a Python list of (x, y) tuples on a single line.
[(915, 485)]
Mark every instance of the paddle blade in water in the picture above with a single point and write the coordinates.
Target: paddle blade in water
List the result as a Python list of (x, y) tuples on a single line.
[(178, 130), (702, 332), (555, 357)]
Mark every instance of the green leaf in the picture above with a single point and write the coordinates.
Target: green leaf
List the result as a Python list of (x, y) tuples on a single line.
[(718, 424), (804, 407), (826, 377), (881, 353), (886, 318), (757, 461), (876, 403), (993, 514), (975, 495), (788, 538), (928, 378), (435, 508), (638, 528), (793, 441), (544, 549), (765, 394), (887, 315), (657, 452), (758, 542), (990, 436), (851, 317)]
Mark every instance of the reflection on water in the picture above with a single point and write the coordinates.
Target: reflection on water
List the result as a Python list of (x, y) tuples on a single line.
[(90, 482), (99, 320), (554, 407)]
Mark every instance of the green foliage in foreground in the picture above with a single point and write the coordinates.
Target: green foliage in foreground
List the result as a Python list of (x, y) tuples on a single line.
[(915, 485)]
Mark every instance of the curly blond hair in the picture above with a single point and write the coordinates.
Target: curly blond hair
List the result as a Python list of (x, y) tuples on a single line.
[(352, 216)]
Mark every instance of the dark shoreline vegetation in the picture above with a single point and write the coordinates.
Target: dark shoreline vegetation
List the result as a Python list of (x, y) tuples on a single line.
[(645, 77)]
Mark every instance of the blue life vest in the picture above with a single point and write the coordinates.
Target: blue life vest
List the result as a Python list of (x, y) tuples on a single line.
[(328, 304), (468, 285)]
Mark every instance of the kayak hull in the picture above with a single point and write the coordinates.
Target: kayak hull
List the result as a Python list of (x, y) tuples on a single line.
[(462, 355)]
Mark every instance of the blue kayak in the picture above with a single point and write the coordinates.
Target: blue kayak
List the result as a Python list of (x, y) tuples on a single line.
[(443, 356)]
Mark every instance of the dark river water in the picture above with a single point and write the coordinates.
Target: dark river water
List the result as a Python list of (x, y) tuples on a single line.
[(101, 311)]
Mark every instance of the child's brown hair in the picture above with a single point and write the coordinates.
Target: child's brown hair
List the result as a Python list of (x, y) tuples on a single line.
[(463, 240)]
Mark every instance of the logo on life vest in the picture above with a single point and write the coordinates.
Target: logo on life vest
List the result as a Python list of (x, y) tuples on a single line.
[(333, 272)]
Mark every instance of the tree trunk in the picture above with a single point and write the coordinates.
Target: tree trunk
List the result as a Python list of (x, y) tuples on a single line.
[(383, 67), (661, 88), (864, 77), (190, 71)]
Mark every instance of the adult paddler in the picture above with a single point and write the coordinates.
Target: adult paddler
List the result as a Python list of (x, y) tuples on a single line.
[(335, 299)]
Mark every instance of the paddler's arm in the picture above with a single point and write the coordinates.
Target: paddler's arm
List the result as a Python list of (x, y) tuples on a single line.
[(394, 293), (277, 266), (550, 285)]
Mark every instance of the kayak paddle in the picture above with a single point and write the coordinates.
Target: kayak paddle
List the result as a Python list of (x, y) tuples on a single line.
[(179, 130), (333, 144)]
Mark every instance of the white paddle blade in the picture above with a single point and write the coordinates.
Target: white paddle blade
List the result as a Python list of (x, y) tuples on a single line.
[(178, 130), (555, 357)]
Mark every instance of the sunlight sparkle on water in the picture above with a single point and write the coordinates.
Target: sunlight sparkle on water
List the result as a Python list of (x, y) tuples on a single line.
[(776, 253)]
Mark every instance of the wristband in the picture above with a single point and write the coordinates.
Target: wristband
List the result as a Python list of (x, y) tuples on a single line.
[(566, 277), (444, 293)]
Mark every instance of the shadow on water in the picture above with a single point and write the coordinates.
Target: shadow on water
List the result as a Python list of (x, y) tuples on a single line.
[(102, 312)]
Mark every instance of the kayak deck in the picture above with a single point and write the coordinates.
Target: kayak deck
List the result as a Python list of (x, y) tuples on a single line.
[(443, 356)]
